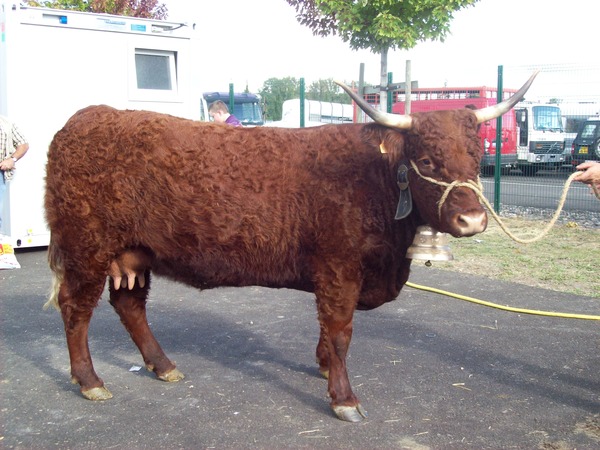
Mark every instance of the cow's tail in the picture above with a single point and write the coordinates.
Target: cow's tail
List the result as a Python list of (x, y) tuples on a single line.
[(58, 273)]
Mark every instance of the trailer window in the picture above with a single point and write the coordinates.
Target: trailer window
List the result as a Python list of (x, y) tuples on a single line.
[(155, 69)]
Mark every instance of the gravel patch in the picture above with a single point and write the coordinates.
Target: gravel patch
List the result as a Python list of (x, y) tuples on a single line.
[(585, 219)]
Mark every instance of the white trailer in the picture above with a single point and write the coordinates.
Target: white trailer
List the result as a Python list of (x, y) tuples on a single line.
[(54, 62), (316, 113)]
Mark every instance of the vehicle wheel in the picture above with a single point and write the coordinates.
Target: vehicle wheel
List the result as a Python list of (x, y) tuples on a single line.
[(597, 148)]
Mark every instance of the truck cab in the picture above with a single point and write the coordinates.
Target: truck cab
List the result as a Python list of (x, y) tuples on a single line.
[(541, 138)]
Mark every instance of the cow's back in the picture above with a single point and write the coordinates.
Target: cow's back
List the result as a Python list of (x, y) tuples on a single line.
[(214, 204)]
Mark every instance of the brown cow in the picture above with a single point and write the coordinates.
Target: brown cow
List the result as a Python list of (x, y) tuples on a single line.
[(134, 192)]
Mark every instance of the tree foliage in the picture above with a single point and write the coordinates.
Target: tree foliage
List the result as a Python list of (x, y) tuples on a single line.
[(149, 9), (326, 91), (277, 90), (379, 25)]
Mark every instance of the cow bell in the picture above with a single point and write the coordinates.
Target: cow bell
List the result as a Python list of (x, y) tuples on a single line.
[(429, 245)]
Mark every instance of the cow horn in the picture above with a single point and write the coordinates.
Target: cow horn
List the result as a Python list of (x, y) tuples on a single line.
[(491, 112), (401, 121)]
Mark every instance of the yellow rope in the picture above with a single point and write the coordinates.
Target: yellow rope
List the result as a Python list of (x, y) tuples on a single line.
[(478, 189), (505, 308)]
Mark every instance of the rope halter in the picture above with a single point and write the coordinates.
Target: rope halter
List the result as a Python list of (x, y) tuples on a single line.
[(477, 187)]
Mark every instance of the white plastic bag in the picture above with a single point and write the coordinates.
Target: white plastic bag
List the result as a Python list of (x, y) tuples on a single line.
[(8, 260)]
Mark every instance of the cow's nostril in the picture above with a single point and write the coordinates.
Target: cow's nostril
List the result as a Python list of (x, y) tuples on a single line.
[(470, 224)]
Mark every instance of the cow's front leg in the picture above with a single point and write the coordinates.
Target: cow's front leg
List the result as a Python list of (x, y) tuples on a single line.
[(335, 318), (130, 304)]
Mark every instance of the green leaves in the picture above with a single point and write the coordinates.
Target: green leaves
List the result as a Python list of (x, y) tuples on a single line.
[(149, 9), (379, 24)]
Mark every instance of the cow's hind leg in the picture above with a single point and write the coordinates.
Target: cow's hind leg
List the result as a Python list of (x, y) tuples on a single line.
[(76, 302), (129, 301)]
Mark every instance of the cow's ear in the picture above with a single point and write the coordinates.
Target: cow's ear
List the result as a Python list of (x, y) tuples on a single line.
[(393, 142), (387, 141), (473, 107)]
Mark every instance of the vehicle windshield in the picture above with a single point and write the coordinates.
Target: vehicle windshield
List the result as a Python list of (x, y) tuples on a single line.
[(547, 118), (589, 130), (248, 113)]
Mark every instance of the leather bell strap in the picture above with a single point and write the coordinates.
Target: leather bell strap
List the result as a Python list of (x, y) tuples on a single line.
[(405, 200)]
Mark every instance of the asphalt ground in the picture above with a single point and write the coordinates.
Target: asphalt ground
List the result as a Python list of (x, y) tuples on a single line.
[(431, 371)]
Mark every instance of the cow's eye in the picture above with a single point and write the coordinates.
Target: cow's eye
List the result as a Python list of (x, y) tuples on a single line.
[(425, 162)]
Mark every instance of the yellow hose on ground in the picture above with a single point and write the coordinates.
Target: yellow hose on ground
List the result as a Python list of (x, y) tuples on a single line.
[(505, 308)]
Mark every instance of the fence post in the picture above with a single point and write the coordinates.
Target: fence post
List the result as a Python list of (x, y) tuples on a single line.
[(407, 89), (390, 93), (302, 102), (231, 98), (498, 144), (361, 91)]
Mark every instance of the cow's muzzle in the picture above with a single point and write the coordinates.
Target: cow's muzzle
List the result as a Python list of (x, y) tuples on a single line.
[(466, 223)]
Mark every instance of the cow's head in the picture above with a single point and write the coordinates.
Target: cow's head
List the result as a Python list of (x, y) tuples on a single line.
[(440, 148)]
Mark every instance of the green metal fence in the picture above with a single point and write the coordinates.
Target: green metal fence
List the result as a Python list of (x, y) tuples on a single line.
[(575, 90)]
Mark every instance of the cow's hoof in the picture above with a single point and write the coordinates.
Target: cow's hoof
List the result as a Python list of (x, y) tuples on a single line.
[(324, 373), (97, 393), (171, 376), (350, 413)]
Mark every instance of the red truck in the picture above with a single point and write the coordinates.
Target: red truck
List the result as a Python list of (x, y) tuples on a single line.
[(429, 99)]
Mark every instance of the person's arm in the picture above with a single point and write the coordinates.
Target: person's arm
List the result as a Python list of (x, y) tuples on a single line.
[(9, 163)]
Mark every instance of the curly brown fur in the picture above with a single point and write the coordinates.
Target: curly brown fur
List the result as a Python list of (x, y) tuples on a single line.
[(134, 192)]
